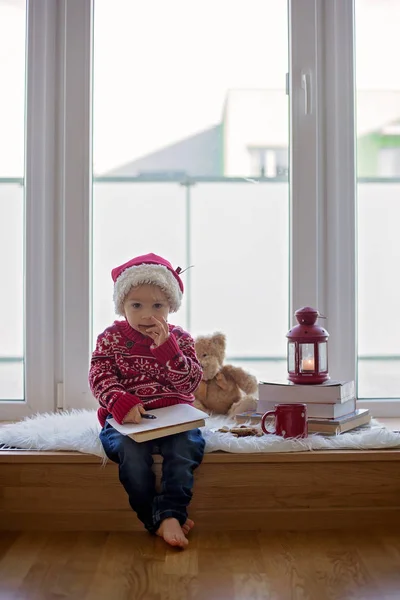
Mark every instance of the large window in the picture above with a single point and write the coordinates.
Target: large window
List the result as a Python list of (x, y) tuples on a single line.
[(378, 168), (173, 128)]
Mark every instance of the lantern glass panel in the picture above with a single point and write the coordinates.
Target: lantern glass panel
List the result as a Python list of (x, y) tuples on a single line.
[(306, 358), (291, 357), (322, 357)]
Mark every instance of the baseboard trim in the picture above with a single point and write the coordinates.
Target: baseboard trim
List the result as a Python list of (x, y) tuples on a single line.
[(226, 520)]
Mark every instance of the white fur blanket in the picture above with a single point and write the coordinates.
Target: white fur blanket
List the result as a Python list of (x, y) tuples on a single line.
[(78, 430)]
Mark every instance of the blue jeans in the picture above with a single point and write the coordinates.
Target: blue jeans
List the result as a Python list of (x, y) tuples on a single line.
[(182, 453)]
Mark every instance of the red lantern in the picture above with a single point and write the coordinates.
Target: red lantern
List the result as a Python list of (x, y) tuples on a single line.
[(307, 349)]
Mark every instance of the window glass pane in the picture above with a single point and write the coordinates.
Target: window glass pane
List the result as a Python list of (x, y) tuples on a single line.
[(306, 358), (191, 162), (124, 204), (378, 154), (12, 123), (291, 357), (322, 357), (239, 246)]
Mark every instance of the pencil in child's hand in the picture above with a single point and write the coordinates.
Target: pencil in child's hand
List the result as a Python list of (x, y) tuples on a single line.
[(147, 416)]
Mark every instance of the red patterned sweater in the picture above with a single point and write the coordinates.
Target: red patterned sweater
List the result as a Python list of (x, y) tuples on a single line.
[(127, 369)]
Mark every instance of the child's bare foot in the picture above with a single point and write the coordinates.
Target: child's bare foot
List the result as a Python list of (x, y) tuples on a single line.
[(187, 526), (172, 533)]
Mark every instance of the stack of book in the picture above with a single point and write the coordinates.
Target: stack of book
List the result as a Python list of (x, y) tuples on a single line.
[(331, 406)]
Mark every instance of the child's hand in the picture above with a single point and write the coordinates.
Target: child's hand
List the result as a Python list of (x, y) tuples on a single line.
[(135, 414), (159, 331)]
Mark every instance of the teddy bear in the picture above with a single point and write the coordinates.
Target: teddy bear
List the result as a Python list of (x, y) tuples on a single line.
[(224, 389)]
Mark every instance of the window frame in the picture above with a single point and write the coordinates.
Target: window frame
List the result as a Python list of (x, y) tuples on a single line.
[(323, 210), (39, 208), (75, 150)]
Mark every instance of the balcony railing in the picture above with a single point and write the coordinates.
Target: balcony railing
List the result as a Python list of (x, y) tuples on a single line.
[(219, 225)]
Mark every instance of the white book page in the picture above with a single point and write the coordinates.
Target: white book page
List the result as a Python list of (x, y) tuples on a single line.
[(165, 417), (329, 383)]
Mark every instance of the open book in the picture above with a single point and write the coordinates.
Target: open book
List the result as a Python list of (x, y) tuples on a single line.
[(169, 420)]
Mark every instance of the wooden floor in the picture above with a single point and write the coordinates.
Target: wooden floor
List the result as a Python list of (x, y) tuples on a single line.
[(216, 566)]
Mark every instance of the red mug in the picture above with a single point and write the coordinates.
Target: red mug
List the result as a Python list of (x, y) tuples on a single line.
[(290, 420)]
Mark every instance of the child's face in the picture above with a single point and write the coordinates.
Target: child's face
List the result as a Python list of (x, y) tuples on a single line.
[(142, 303)]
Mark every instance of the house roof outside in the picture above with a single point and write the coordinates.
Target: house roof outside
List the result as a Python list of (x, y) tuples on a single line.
[(198, 155), (252, 118)]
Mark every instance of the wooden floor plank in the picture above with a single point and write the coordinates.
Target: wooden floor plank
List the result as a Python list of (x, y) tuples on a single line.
[(76, 577), (7, 538), (322, 565), (42, 578), (16, 563), (135, 562)]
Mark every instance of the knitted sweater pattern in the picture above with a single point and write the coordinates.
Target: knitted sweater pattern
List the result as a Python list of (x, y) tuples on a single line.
[(128, 369)]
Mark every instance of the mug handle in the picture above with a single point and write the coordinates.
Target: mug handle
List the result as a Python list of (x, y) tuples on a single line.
[(264, 417)]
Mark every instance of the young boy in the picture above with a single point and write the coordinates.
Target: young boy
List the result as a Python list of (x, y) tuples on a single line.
[(143, 362)]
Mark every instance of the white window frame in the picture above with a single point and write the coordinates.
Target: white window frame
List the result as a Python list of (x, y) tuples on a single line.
[(322, 186), (59, 188), (323, 180), (39, 189), (75, 127)]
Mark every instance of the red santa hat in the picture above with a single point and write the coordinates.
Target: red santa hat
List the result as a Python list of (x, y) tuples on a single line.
[(150, 269)]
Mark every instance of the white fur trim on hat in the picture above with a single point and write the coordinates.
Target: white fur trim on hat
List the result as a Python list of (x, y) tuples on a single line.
[(150, 274)]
